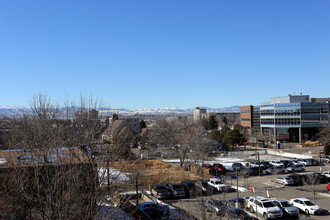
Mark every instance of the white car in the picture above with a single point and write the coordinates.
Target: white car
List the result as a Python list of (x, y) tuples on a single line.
[(325, 158), (264, 206), (327, 173), (217, 184), (276, 163), (306, 205), (256, 164)]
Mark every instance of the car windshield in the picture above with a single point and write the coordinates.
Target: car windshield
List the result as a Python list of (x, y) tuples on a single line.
[(268, 204), (309, 203), (218, 182), (285, 204), (176, 187), (161, 188)]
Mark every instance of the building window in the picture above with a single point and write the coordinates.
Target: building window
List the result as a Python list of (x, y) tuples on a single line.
[(245, 119), (245, 111)]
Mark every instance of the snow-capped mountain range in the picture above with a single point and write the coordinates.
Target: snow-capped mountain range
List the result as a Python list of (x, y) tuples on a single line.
[(18, 111)]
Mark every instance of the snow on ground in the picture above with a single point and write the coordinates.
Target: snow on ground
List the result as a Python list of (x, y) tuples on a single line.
[(115, 176)]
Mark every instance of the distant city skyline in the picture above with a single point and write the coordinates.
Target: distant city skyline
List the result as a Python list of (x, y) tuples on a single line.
[(157, 54)]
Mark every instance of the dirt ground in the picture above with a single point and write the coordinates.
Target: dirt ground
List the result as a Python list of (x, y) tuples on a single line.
[(152, 172)]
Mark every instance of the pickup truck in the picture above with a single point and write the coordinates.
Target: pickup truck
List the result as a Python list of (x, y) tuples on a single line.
[(217, 185)]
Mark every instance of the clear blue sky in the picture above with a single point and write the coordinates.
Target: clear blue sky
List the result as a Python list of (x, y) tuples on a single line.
[(164, 53)]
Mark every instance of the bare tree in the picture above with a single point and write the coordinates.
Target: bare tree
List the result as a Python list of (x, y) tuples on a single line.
[(312, 184), (182, 137), (197, 141), (167, 134), (52, 172)]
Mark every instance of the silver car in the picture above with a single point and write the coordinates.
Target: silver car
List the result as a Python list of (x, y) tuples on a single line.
[(286, 207), (217, 206), (295, 167), (284, 180)]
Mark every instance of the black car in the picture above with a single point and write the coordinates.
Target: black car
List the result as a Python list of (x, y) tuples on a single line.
[(253, 171), (176, 190), (235, 213), (319, 178), (217, 170), (202, 188), (232, 203), (266, 164), (160, 191), (286, 163), (189, 188)]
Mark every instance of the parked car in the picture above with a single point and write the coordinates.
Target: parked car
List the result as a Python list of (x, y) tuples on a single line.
[(256, 164), (298, 180), (325, 159), (286, 207), (160, 191), (238, 214), (176, 190), (305, 162), (264, 207), (202, 187), (232, 203), (217, 185), (319, 177), (144, 205), (253, 171), (306, 205), (284, 180), (189, 188), (276, 163), (295, 168), (314, 162), (217, 170), (327, 173), (266, 164), (275, 170), (285, 162), (217, 206), (328, 188), (238, 166), (295, 162)]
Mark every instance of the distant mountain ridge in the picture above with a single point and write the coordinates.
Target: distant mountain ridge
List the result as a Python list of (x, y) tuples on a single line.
[(18, 111)]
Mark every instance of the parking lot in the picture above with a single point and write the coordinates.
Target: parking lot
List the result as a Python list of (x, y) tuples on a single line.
[(262, 184)]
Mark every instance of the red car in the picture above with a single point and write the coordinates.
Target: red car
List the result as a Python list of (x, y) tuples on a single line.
[(328, 188)]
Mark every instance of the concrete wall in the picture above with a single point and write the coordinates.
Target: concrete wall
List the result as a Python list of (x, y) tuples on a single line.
[(290, 155), (245, 153)]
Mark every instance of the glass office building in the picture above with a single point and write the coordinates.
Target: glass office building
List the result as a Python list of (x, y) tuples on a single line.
[(292, 118)]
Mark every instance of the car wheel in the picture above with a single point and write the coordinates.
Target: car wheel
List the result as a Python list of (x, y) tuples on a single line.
[(292, 171), (265, 216), (307, 212), (251, 209), (328, 191)]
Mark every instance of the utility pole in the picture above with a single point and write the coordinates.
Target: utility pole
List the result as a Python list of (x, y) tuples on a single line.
[(259, 164), (137, 189), (237, 188)]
